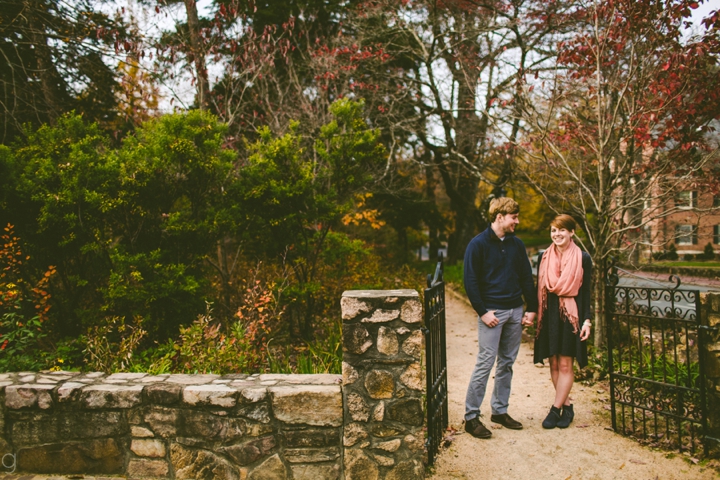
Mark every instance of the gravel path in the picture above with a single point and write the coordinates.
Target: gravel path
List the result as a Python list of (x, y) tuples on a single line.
[(586, 450)]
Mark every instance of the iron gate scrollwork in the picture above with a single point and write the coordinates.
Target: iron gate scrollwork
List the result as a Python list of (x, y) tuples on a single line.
[(436, 361), (655, 363)]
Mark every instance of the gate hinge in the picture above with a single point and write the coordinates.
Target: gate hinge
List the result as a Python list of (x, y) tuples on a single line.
[(424, 330)]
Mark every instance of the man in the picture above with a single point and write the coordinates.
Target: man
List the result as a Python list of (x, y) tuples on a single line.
[(497, 276)]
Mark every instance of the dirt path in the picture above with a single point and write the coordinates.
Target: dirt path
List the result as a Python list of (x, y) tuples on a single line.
[(586, 450)]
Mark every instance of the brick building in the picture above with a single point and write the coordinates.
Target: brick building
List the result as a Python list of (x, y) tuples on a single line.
[(693, 223)]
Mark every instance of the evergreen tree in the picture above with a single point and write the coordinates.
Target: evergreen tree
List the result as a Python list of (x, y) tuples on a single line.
[(52, 61)]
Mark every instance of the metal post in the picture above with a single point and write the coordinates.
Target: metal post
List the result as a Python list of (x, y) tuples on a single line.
[(610, 282), (702, 329)]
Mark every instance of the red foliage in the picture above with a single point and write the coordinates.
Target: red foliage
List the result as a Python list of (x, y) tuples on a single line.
[(635, 49), (17, 289)]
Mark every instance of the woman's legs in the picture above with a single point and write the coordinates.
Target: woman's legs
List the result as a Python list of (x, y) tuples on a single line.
[(554, 370), (562, 375)]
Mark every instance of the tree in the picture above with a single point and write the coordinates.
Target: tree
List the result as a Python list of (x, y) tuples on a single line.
[(138, 96), (53, 60), (128, 229), (295, 191), (465, 66), (625, 122), (259, 56)]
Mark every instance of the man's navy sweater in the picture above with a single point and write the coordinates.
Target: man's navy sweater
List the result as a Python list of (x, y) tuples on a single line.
[(497, 273)]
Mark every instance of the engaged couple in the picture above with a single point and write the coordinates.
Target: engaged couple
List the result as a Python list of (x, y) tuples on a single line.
[(498, 280)]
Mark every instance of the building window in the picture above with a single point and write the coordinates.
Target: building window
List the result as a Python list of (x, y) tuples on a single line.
[(716, 234), (686, 199), (716, 200), (686, 234), (647, 234)]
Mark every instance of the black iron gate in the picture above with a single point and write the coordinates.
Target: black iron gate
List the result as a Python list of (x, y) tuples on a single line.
[(655, 362), (436, 360)]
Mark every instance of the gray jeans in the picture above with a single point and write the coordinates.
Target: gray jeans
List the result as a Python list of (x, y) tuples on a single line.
[(501, 342)]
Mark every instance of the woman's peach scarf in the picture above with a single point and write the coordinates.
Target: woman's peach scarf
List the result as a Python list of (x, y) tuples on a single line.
[(561, 275)]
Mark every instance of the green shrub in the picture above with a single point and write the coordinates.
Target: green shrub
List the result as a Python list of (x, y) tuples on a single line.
[(207, 346), (453, 274), (111, 347), (708, 252), (669, 254)]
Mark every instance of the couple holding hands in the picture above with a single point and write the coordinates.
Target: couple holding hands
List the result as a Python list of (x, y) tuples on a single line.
[(497, 276)]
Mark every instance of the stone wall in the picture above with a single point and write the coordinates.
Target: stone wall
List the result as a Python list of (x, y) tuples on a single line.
[(383, 385), (172, 426), (365, 425), (710, 317)]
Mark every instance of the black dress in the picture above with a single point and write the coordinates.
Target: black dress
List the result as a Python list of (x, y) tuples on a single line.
[(556, 335)]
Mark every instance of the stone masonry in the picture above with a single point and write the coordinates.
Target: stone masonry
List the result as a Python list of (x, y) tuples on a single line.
[(383, 385), (365, 425), (710, 317), (253, 427)]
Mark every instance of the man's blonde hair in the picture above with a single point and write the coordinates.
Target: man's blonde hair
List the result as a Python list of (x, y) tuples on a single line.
[(502, 206)]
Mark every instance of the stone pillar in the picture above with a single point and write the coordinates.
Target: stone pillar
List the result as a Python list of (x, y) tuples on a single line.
[(710, 317), (383, 385)]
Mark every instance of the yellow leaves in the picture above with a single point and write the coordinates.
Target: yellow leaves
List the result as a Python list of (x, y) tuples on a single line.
[(369, 217), (363, 215)]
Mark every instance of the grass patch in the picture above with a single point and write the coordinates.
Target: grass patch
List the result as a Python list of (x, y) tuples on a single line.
[(454, 275), (686, 264), (534, 239)]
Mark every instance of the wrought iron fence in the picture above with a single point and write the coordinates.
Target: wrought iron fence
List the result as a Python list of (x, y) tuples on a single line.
[(657, 387), (436, 360)]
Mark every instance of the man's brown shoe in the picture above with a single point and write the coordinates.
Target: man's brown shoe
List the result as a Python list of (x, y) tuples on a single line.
[(475, 428), (506, 421)]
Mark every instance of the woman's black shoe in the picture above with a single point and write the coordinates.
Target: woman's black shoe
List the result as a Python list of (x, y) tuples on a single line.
[(566, 417), (552, 419)]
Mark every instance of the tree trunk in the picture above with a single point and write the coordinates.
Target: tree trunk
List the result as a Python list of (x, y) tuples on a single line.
[(433, 231), (45, 67), (466, 225), (196, 46), (601, 315)]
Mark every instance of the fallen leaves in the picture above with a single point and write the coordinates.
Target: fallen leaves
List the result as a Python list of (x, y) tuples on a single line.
[(449, 436)]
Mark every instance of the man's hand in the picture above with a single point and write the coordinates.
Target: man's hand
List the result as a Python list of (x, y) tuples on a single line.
[(528, 319), (490, 319)]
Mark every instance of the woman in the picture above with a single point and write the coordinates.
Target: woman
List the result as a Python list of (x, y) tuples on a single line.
[(563, 321)]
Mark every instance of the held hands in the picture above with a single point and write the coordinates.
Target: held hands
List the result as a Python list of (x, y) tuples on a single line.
[(585, 331), (490, 319)]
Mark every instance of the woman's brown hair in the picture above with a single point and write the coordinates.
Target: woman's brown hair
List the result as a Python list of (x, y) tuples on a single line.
[(564, 221)]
